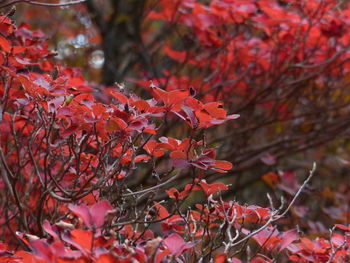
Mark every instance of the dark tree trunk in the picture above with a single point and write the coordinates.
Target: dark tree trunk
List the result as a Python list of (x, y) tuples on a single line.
[(121, 38)]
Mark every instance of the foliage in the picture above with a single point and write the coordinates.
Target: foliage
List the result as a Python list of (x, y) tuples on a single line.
[(71, 153), (281, 65)]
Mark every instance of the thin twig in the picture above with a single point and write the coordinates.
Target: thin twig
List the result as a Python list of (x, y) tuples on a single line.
[(153, 187), (42, 3), (312, 171), (334, 250), (275, 215)]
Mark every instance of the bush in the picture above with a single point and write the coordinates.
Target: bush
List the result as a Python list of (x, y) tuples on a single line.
[(70, 154)]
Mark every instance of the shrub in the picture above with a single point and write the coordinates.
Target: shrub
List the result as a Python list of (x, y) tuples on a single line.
[(69, 156)]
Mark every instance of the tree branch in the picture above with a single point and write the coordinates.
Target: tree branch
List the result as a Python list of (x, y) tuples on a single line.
[(42, 3)]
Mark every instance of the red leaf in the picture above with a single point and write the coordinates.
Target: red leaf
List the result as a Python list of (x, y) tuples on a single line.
[(271, 178), (222, 258), (204, 118), (173, 193), (81, 239), (73, 128), (176, 55), (161, 254), (6, 26), (162, 212), (141, 158), (26, 83), (210, 189), (260, 260), (173, 100), (5, 44), (151, 148), (222, 165), (307, 244), (215, 109), (116, 124), (150, 130), (178, 155), (343, 227), (120, 97), (106, 258), (26, 257)]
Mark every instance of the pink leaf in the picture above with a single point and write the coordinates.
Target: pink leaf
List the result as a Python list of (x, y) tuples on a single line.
[(51, 230), (83, 212), (287, 238), (176, 244), (99, 211), (94, 216), (42, 250), (268, 159)]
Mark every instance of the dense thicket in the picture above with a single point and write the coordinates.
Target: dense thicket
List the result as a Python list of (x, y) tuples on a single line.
[(95, 173)]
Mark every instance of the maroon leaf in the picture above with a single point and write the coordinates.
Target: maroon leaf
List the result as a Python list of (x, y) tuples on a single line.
[(180, 163)]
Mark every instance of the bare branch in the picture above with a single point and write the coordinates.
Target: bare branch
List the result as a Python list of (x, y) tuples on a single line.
[(334, 250), (42, 3), (312, 171), (153, 187), (275, 215)]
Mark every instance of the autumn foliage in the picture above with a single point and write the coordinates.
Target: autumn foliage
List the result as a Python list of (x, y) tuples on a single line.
[(72, 152)]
